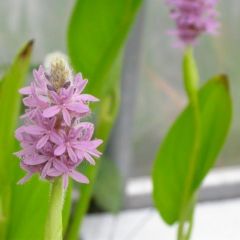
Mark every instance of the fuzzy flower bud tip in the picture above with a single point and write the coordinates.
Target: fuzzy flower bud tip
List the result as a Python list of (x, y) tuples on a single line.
[(193, 18), (54, 138), (58, 69)]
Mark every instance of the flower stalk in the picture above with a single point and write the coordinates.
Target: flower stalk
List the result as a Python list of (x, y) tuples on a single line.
[(53, 227)]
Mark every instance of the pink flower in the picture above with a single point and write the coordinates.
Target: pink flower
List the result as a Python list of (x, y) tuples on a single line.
[(54, 141), (45, 129), (65, 103), (78, 144), (193, 18)]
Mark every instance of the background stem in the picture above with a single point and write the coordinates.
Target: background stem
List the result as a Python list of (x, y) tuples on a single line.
[(191, 79)]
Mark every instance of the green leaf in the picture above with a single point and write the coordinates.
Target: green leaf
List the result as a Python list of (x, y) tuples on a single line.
[(10, 104), (172, 165), (108, 188), (10, 107), (96, 34), (29, 207)]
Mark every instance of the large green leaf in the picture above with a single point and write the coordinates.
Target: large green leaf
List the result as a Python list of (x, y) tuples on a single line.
[(96, 35), (10, 107), (172, 165)]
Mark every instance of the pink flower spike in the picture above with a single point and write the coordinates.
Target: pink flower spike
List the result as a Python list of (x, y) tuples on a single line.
[(54, 141)]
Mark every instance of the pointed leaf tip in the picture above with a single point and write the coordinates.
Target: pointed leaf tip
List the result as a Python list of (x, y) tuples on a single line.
[(27, 49), (223, 78)]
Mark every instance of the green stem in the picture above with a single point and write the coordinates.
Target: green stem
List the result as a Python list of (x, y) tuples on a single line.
[(191, 80), (184, 234), (53, 227)]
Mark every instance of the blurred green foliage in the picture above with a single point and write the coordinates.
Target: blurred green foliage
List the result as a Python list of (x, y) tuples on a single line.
[(108, 187)]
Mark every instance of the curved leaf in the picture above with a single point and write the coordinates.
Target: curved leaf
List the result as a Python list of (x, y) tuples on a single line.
[(171, 166)]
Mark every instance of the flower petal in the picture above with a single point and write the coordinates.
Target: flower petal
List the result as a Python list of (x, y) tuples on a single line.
[(34, 130), (89, 158), (54, 96), (66, 117), (35, 160), (55, 138), (79, 83), (72, 154), (51, 111), (78, 107), (42, 141), (52, 172), (46, 169), (79, 177), (60, 150), (91, 144), (88, 98), (25, 178), (26, 90), (60, 166)]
